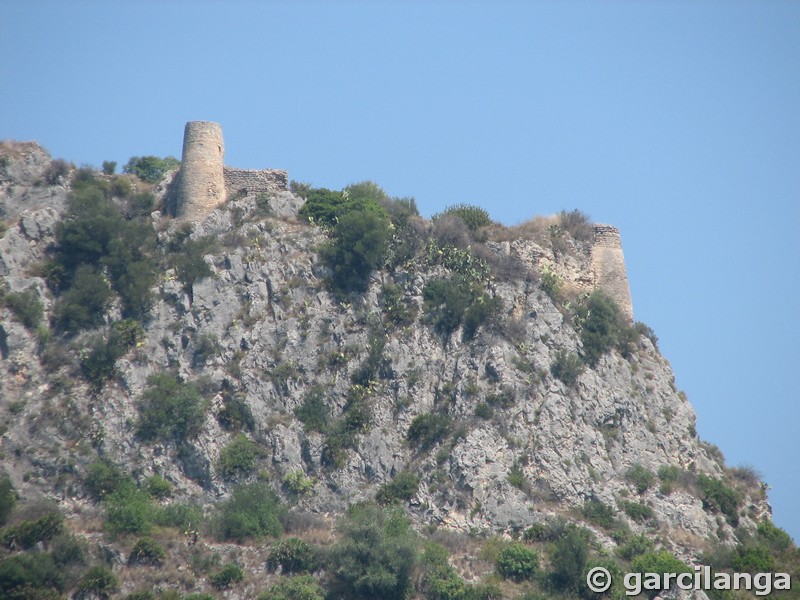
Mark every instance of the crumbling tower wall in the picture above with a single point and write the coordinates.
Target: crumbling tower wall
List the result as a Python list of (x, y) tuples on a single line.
[(608, 264), (201, 181)]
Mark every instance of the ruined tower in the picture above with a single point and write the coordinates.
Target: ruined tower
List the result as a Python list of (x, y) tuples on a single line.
[(201, 183), (608, 264)]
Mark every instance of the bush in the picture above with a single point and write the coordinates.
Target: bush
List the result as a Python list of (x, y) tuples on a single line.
[(8, 498), (719, 497), (302, 587), (314, 413), (474, 217), (150, 168), (640, 477), (577, 224), (601, 323), (83, 306), (56, 170), (129, 510), (67, 549), (517, 561), (235, 413), (569, 556), (427, 429), (296, 483), (147, 552), (516, 476), (635, 546), (183, 516), (170, 410), (637, 511), (98, 582), (104, 478), (229, 574), (599, 513), (238, 458), (403, 487), (26, 306), (566, 367), (292, 555), (158, 487), (358, 246), (775, 537), (376, 552), (400, 311), (30, 575), (752, 558), (484, 411), (658, 562), (442, 581), (252, 511), (188, 260), (29, 533)]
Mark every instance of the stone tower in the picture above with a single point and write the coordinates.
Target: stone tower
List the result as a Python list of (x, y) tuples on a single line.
[(201, 183), (608, 264)]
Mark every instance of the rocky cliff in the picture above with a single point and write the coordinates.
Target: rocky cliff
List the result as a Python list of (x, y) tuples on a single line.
[(497, 442)]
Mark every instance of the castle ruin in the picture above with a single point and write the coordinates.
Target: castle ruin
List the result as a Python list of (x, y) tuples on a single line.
[(608, 266), (204, 182)]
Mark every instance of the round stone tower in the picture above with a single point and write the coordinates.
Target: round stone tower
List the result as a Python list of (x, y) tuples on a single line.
[(201, 183), (608, 264)]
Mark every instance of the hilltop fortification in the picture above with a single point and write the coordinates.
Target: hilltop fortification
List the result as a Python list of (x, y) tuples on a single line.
[(204, 182), (608, 266)]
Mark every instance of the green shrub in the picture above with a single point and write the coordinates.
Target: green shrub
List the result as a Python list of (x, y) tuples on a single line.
[(56, 170), (399, 310), (206, 346), (313, 413), (150, 168), (775, 537), (601, 324), (235, 414), (238, 458), (640, 477), (376, 552), (637, 511), (183, 516), (29, 533), (442, 581), (551, 283), (752, 558), (158, 487), (484, 411), (357, 247), (635, 546), (296, 483), (293, 555), (403, 487), (451, 303), (474, 217), (505, 398), (67, 549), (98, 582), (719, 497), (323, 206), (517, 561), (569, 556), (228, 575), (83, 305), (104, 478), (8, 498), (427, 429), (129, 510), (252, 511), (302, 587), (516, 476), (599, 513), (30, 575), (646, 331), (26, 306), (188, 259), (658, 562), (566, 367), (170, 410), (147, 552)]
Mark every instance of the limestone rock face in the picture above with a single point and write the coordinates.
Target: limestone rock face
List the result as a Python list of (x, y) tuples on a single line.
[(276, 336)]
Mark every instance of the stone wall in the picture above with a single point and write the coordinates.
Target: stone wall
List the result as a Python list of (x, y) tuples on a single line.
[(608, 264), (247, 182), (201, 184)]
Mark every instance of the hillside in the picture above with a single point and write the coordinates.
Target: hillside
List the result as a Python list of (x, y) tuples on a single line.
[(311, 393)]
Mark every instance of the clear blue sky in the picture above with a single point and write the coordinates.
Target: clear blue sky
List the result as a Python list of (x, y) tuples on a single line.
[(678, 122)]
